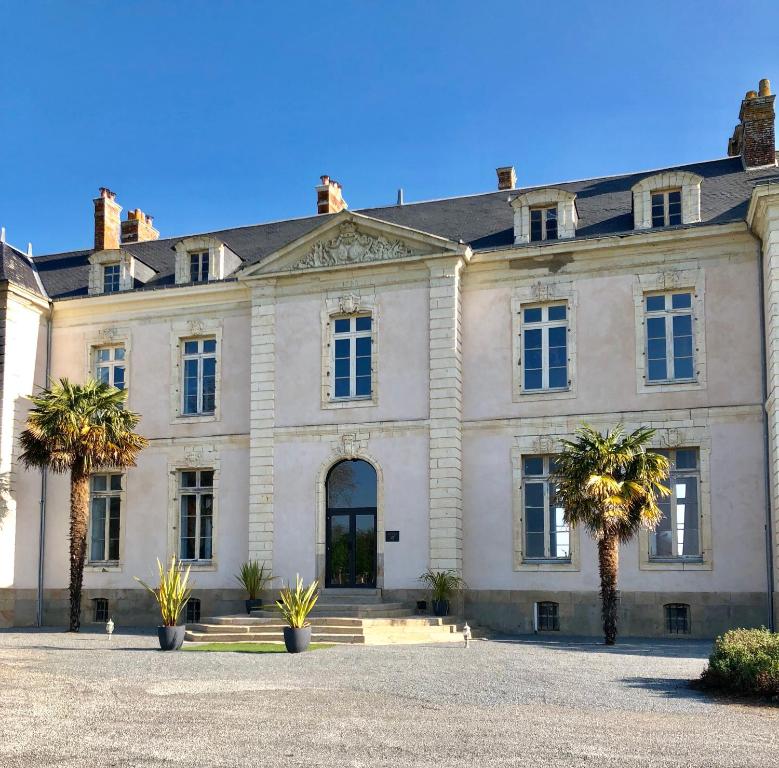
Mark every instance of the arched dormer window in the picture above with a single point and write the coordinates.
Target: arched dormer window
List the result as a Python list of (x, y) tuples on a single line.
[(544, 214), (202, 258), (667, 199)]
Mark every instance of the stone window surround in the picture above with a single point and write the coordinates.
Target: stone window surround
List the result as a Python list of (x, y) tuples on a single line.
[(689, 184), (130, 269), (108, 566), (347, 304), (221, 260), (348, 445), (542, 292), (670, 281), (110, 336), (185, 330), (192, 457), (566, 212), (535, 446)]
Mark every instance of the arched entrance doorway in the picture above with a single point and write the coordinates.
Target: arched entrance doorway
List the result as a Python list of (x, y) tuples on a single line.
[(350, 531)]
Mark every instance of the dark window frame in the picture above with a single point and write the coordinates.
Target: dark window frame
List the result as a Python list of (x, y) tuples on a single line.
[(677, 618), (548, 616)]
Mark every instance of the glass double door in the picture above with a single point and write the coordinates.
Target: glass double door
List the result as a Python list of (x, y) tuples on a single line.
[(351, 547)]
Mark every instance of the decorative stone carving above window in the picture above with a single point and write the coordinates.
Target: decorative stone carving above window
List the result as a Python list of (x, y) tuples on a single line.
[(222, 262), (565, 203), (351, 246), (130, 270), (689, 184)]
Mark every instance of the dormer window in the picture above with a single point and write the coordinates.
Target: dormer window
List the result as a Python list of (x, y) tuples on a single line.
[(111, 275), (543, 223), (667, 199), (198, 266), (666, 208)]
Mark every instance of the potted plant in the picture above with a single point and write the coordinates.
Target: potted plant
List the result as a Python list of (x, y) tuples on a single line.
[(171, 595), (443, 585), (253, 577), (295, 605)]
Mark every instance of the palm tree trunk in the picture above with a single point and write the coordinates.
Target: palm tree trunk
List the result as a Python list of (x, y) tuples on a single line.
[(79, 519), (608, 562)]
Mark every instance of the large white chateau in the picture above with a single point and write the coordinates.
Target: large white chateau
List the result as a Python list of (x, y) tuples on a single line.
[(358, 395)]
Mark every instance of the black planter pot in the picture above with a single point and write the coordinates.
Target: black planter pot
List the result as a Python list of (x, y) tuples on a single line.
[(297, 640), (441, 607), (253, 605), (171, 638)]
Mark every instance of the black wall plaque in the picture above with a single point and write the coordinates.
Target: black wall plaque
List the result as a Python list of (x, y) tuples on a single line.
[(391, 535)]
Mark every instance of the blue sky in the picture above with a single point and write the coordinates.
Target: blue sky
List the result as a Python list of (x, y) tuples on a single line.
[(217, 114)]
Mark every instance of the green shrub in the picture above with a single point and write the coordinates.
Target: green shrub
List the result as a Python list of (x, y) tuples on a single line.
[(744, 661)]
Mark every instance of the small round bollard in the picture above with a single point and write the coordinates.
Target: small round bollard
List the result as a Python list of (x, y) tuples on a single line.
[(467, 634), (109, 628)]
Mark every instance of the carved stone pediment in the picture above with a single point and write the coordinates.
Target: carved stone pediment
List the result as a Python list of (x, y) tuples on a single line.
[(350, 246)]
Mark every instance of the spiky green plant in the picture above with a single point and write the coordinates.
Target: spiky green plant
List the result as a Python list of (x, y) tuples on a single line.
[(172, 592), (295, 605), (80, 429), (609, 483), (254, 577), (443, 585)]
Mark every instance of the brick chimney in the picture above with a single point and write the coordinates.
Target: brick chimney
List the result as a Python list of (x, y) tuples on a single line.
[(329, 198), (753, 138), (107, 217), (507, 177), (138, 227)]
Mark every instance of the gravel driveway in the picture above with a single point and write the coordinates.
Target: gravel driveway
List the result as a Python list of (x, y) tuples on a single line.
[(89, 701)]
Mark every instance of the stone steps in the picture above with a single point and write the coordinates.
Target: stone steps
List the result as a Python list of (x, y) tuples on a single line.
[(350, 609)]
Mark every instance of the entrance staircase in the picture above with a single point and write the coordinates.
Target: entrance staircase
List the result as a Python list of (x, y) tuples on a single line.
[(340, 616)]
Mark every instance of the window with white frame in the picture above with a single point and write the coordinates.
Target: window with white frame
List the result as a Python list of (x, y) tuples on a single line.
[(678, 534), (666, 207), (196, 514), (199, 374), (546, 534), (105, 517), (543, 223), (351, 357), (111, 274), (544, 355), (198, 266), (110, 366), (670, 349)]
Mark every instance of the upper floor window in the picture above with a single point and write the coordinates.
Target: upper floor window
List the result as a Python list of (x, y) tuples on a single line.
[(196, 521), (547, 536), (543, 223), (104, 521), (199, 372), (669, 337), (666, 208), (111, 274), (678, 533), (544, 356), (198, 266), (110, 366), (351, 362)]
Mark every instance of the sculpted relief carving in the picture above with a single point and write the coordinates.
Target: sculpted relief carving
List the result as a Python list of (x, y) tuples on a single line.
[(352, 247)]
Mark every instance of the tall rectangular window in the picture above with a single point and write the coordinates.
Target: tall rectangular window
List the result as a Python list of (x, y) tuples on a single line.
[(351, 363), (666, 208), (110, 278), (110, 366), (198, 267), (545, 347), (543, 223), (547, 536), (196, 523), (199, 371), (678, 534), (670, 350), (104, 521)]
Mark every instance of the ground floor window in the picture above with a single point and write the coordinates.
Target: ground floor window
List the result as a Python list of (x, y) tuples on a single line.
[(677, 618), (196, 523), (105, 517), (193, 610), (548, 616), (546, 534), (100, 610), (678, 534)]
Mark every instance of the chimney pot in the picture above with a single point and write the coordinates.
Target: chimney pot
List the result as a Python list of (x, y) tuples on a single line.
[(507, 177), (765, 87), (329, 197)]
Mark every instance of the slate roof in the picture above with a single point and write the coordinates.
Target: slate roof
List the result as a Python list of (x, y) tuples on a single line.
[(15, 267), (484, 221)]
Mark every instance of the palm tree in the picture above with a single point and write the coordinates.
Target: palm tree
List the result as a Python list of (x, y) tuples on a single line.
[(80, 429), (609, 483)]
